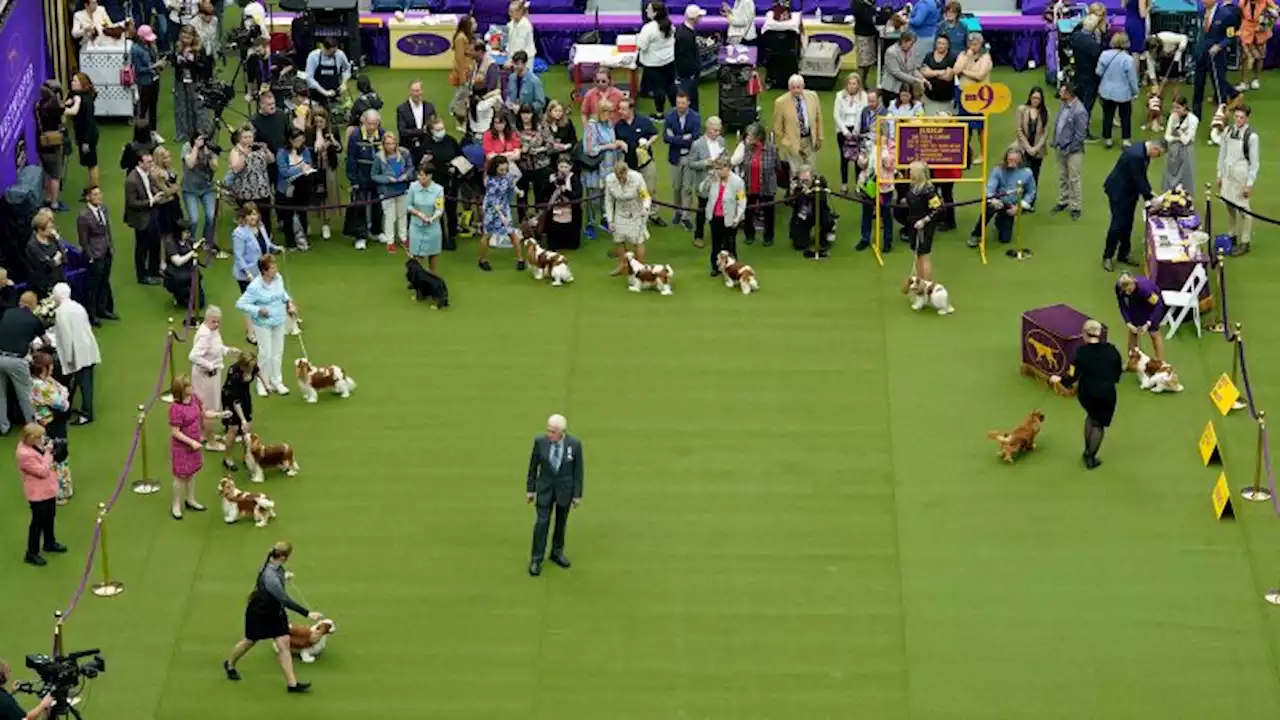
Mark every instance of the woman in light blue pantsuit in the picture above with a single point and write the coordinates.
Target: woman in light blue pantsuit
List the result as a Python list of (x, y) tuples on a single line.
[(426, 204)]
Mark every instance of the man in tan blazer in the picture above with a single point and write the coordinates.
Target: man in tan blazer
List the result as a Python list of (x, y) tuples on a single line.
[(797, 124)]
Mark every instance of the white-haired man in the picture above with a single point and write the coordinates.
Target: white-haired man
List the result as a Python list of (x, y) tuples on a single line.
[(555, 479), (362, 145), (797, 124)]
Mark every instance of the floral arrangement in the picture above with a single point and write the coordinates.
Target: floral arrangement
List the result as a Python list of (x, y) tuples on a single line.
[(1175, 203), (46, 309)]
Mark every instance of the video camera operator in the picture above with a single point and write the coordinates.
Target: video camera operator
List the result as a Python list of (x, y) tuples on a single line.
[(10, 709), (328, 69)]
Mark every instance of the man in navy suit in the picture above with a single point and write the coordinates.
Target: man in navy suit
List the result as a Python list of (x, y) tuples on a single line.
[(1220, 21), (555, 479), (1124, 186)]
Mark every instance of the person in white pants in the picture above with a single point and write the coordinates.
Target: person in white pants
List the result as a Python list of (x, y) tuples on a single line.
[(268, 305), (392, 172)]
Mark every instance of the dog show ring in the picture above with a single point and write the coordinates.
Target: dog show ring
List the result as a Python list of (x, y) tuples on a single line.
[(1050, 337)]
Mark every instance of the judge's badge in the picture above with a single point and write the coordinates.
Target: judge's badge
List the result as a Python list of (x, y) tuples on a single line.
[(568, 453)]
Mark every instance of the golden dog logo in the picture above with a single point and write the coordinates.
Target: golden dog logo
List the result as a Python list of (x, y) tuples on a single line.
[(1047, 353)]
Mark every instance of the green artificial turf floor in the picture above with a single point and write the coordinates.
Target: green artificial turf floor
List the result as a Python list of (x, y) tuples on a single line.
[(791, 509)]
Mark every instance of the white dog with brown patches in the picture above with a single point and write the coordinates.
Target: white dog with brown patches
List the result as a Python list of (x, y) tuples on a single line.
[(547, 264), (237, 503), (1154, 375), (309, 642), (642, 277), (322, 377), (923, 293), (736, 274)]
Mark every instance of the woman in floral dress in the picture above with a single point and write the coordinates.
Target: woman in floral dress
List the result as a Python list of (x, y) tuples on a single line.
[(497, 212), (186, 432), (51, 403)]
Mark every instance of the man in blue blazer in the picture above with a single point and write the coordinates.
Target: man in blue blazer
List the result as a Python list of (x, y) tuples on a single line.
[(680, 128), (1219, 23), (555, 479), (1124, 186)]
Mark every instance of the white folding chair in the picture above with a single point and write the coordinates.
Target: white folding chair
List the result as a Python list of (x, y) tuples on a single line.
[(1186, 300)]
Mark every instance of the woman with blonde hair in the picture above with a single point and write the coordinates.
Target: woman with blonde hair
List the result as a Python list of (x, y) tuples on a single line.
[(208, 355), (923, 206), (1096, 370), (187, 416), (850, 102), (325, 148), (392, 172), (601, 148), (40, 487), (44, 257), (165, 181), (1117, 86), (626, 208), (191, 69)]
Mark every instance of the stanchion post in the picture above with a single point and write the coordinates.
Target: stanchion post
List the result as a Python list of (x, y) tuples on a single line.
[(1255, 492), (108, 588), (144, 485), (168, 359), (57, 633), (816, 249), (1235, 353), (1018, 252)]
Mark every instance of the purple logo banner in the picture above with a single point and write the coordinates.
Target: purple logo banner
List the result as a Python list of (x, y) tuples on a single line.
[(23, 62), (423, 44)]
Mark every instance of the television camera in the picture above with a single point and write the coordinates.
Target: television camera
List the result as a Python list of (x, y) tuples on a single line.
[(61, 677)]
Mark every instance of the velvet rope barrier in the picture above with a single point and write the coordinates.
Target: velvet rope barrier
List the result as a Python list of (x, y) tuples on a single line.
[(1248, 212)]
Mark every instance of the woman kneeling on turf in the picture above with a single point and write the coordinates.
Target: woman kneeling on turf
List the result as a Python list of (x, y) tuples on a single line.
[(1142, 309)]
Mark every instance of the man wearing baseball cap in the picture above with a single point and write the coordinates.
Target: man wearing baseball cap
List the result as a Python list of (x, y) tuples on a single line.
[(687, 66)]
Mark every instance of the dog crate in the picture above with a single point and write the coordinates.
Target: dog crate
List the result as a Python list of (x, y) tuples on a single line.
[(820, 65)]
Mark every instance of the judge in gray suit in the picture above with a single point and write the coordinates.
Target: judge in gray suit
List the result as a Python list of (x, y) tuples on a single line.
[(555, 478)]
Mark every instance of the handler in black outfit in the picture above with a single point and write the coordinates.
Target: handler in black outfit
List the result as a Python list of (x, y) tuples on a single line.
[(265, 619), (1097, 369), (555, 477), (1124, 186)]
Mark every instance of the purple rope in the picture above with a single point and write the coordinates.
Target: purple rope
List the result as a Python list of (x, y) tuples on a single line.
[(88, 570), (1222, 293), (1271, 474), (1244, 377)]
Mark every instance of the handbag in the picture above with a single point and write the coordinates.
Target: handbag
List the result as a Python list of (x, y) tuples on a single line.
[(51, 139), (127, 76)]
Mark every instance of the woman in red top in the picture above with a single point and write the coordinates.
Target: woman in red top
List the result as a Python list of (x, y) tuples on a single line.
[(40, 487), (756, 162), (502, 139)]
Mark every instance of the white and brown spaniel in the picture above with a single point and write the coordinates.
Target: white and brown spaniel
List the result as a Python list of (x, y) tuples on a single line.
[(642, 277), (261, 457), (309, 642), (547, 264), (736, 274), (237, 503), (323, 377), (926, 292), (1154, 375)]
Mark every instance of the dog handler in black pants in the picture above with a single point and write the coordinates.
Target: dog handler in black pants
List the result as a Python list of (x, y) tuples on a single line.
[(1097, 370), (726, 205), (265, 619)]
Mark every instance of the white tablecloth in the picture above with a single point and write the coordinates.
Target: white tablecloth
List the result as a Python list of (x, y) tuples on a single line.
[(602, 55), (102, 64)]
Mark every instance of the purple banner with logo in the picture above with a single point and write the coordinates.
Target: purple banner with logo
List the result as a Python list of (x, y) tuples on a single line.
[(23, 68)]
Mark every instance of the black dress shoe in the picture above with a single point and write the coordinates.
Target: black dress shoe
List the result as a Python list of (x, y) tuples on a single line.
[(109, 316), (95, 323), (34, 560), (300, 687), (55, 548), (230, 465), (535, 568), (1092, 462), (1126, 260), (232, 673), (150, 281), (561, 560), (768, 243)]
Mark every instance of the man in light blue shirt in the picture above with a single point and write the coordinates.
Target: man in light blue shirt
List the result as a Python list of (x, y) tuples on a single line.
[(328, 69), (1010, 190), (523, 86)]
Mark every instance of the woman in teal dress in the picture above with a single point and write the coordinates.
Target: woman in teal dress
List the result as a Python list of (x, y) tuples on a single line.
[(426, 203)]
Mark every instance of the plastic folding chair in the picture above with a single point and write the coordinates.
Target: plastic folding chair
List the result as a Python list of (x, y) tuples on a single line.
[(1186, 300)]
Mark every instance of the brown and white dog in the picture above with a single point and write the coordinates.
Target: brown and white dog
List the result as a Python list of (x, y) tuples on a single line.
[(237, 503), (1154, 375), (736, 274), (324, 377), (926, 292), (1021, 439), (642, 277), (260, 457), (309, 642), (1155, 110), (547, 264)]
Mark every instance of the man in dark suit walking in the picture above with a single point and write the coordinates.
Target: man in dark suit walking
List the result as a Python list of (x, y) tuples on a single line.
[(555, 478), (1124, 186), (1220, 21), (94, 231), (140, 214)]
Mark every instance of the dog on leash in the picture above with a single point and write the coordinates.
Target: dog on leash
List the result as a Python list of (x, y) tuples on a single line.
[(237, 503), (1019, 440), (1154, 375), (1155, 110), (547, 263), (309, 642), (926, 292), (426, 285), (259, 458), (736, 274), (642, 277), (325, 377)]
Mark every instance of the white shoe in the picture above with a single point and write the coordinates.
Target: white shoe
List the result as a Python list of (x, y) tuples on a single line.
[(157, 137), (361, 244), (382, 238), (262, 389), (281, 389), (1242, 87), (324, 231), (1255, 84)]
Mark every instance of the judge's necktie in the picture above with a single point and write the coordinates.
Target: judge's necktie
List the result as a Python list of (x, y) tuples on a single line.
[(555, 456)]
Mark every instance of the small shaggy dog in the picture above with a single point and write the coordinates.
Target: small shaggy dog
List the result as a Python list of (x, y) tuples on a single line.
[(926, 292), (309, 642), (1154, 375), (1019, 440), (642, 277), (736, 274), (426, 285), (259, 457), (546, 263), (237, 503), (1155, 111), (324, 377)]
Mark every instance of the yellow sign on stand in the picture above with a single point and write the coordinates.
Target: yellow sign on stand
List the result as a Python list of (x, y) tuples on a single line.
[(1222, 509), (1224, 394), (986, 98), (1210, 453)]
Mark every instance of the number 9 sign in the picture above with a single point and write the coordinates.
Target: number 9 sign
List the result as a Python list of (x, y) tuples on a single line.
[(986, 98)]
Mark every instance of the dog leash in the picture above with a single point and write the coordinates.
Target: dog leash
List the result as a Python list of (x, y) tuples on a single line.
[(302, 346)]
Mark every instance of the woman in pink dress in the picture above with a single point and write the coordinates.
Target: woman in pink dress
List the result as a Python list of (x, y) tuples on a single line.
[(186, 430)]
